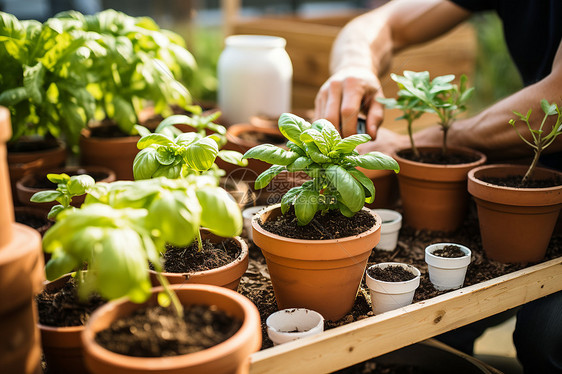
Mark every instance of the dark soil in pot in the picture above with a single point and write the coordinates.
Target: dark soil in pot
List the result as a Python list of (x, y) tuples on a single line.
[(331, 225), (33, 218), (449, 251), (392, 273), (158, 332), (63, 308), (451, 158), (190, 259), (32, 144), (515, 181), (257, 137), (107, 129)]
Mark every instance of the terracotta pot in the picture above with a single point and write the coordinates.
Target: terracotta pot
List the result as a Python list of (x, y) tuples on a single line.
[(230, 356), (24, 163), (386, 188), (322, 275), (62, 346), (21, 277), (434, 197), (25, 186), (116, 154), (225, 276), (516, 224)]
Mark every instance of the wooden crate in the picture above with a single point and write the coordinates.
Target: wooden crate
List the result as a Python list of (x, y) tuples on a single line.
[(371, 337)]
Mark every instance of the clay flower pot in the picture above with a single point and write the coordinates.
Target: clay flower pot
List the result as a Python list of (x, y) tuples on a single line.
[(291, 324), (322, 275), (386, 296), (26, 186), (447, 273), (225, 276), (21, 277), (230, 356), (516, 224), (434, 197)]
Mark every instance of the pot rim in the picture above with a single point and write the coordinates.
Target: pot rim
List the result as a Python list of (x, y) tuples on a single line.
[(447, 262), (465, 150), (393, 287)]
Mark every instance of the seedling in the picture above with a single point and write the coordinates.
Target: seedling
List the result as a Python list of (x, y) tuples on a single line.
[(318, 150), (67, 188), (540, 138)]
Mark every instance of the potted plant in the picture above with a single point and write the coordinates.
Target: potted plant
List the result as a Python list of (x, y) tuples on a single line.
[(517, 205), (21, 277), (391, 285), (134, 63), (318, 272), (447, 264), (43, 86), (432, 180), (129, 224)]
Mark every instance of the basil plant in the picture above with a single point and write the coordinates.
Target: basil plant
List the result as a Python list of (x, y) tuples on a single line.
[(123, 225), (318, 150), (67, 188), (174, 154)]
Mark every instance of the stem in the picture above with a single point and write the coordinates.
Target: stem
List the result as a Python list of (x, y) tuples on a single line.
[(529, 174), (199, 241), (444, 149), (171, 294), (414, 148)]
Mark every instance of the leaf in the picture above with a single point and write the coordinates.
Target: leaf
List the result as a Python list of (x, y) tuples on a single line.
[(201, 154), (267, 176), (271, 154), (232, 157), (55, 210), (548, 109), (292, 126), (306, 206), (62, 178), (351, 192), (45, 196), (366, 183), (289, 198), (329, 132), (178, 119), (154, 139), (79, 184), (165, 156), (374, 161), (314, 136), (145, 164), (299, 164), (347, 145), (220, 212), (314, 153)]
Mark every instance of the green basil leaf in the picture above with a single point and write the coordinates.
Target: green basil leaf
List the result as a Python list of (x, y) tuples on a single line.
[(168, 171), (329, 132), (366, 183), (289, 198), (165, 155), (271, 154), (60, 265), (292, 126), (314, 136), (145, 164), (314, 153), (79, 184), (45, 196), (153, 139), (232, 157), (55, 210), (351, 192), (348, 144), (201, 155), (295, 148), (220, 214), (374, 161), (186, 138), (306, 206), (58, 178), (264, 178), (299, 164)]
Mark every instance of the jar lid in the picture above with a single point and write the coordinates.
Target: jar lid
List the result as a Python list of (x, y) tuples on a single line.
[(255, 41)]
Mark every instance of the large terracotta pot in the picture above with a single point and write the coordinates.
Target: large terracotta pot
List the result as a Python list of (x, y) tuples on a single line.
[(62, 346), (21, 277), (25, 186), (516, 224), (434, 197), (230, 356), (116, 153), (322, 275), (24, 163), (225, 276)]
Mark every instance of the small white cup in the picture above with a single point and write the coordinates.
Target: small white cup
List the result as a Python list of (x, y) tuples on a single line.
[(291, 324), (390, 228), (447, 273), (387, 296), (248, 214)]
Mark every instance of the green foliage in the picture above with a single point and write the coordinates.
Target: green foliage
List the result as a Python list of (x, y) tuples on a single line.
[(171, 153), (541, 139), (318, 150), (123, 225), (67, 188)]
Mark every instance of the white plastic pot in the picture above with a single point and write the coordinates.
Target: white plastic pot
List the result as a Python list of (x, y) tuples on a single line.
[(387, 296), (447, 273), (290, 324), (248, 214), (391, 224)]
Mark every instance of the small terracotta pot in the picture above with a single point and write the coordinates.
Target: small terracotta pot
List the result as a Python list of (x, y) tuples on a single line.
[(225, 276), (21, 277), (230, 356), (434, 197), (25, 186), (322, 275), (62, 346), (116, 154), (386, 188), (516, 224)]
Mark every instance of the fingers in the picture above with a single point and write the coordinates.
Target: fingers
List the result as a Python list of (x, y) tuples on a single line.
[(375, 115)]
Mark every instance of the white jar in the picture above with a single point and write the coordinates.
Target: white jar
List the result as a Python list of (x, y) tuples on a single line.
[(254, 74)]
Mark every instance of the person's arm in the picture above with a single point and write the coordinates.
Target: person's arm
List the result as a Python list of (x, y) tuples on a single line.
[(490, 131), (362, 53)]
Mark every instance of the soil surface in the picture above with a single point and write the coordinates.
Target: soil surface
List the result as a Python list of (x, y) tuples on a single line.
[(107, 129), (158, 332), (392, 273), (262, 138), (448, 251), (451, 158), (63, 308), (516, 182), (331, 225), (25, 144), (190, 259), (32, 220)]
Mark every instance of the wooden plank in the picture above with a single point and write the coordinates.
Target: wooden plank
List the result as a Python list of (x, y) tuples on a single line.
[(359, 341)]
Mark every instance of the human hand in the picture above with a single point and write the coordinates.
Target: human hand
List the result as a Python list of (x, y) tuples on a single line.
[(346, 94)]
